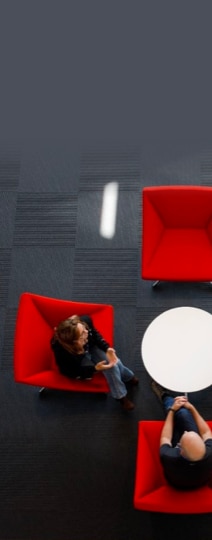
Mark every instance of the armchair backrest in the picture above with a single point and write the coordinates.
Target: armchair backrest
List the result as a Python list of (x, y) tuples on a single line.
[(180, 206)]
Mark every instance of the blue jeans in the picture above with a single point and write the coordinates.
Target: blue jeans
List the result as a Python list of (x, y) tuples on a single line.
[(183, 419), (116, 376)]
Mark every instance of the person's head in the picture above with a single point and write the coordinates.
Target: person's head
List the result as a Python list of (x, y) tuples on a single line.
[(192, 446), (72, 333)]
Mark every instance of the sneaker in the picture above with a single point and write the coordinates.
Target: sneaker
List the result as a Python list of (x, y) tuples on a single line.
[(158, 390), (126, 404)]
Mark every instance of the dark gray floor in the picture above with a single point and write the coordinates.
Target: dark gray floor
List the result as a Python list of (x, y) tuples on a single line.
[(68, 461)]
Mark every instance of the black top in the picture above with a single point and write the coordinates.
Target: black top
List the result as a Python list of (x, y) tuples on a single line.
[(79, 365), (185, 474)]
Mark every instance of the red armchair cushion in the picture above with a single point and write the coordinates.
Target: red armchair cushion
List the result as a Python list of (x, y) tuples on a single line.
[(152, 492), (34, 361), (177, 233)]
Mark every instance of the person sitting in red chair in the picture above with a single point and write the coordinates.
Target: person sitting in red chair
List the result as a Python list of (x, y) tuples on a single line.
[(185, 442), (80, 350)]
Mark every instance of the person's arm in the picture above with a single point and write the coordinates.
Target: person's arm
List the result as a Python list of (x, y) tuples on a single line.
[(203, 427), (103, 365), (98, 340), (94, 335), (167, 431)]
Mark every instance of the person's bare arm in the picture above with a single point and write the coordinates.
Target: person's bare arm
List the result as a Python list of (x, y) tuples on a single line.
[(203, 427)]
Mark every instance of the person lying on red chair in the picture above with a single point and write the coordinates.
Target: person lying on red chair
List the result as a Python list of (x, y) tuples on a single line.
[(80, 350), (185, 442)]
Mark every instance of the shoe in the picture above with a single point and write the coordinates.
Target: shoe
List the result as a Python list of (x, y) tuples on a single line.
[(158, 390), (134, 381), (126, 404)]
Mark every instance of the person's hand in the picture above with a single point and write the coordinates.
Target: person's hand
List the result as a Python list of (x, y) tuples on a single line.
[(188, 405), (180, 401), (102, 366), (111, 356), (110, 351)]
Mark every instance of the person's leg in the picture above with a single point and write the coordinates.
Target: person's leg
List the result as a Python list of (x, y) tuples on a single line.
[(114, 377), (183, 419), (167, 401), (126, 374), (97, 355), (117, 387)]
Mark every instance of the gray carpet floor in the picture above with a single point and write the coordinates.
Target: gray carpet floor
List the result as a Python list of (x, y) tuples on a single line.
[(68, 461)]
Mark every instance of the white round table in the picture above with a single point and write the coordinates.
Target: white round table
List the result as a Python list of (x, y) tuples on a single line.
[(177, 349)]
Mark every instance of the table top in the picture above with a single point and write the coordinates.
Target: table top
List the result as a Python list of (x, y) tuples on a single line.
[(177, 349)]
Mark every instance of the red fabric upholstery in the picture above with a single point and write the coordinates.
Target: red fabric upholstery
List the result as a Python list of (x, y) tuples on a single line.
[(152, 492), (33, 358), (177, 233)]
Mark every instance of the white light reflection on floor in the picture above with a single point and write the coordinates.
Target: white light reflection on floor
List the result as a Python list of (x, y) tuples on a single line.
[(109, 210)]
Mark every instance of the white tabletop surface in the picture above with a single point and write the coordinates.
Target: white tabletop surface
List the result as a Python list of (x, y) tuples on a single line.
[(177, 349)]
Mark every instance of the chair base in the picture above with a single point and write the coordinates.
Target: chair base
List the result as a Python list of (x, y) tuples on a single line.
[(155, 283), (43, 391)]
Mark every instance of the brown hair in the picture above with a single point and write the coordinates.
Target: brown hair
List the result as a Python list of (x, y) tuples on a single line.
[(67, 333)]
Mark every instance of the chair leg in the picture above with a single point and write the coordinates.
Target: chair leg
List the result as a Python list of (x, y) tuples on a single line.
[(155, 283), (42, 391)]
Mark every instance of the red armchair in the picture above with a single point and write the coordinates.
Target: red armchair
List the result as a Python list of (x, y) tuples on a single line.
[(177, 233), (152, 492), (34, 361)]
